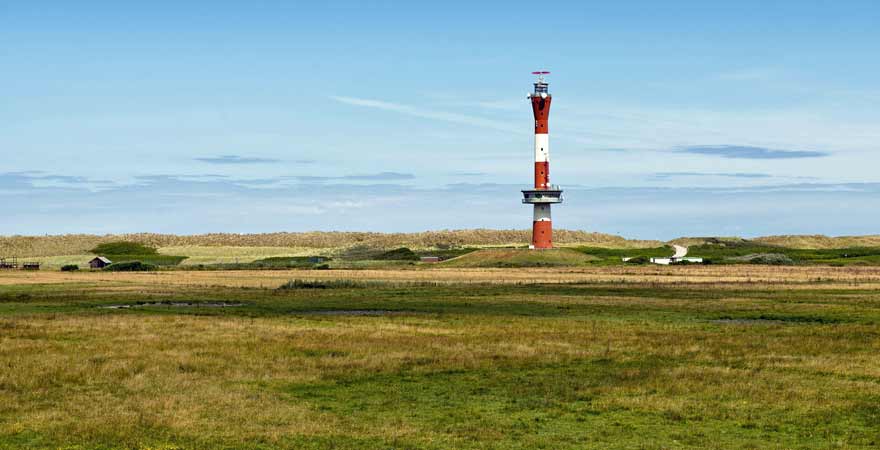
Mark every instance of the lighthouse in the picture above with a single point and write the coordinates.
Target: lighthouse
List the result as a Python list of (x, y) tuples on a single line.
[(544, 194)]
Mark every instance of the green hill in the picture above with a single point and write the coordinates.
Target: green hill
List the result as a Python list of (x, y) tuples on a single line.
[(519, 257)]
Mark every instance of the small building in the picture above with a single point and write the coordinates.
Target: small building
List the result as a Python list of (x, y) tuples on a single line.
[(676, 260), (430, 259), (99, 262)]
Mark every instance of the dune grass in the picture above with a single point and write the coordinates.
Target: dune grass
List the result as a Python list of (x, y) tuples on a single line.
[(739, 250), (658, 363), (32, 246)]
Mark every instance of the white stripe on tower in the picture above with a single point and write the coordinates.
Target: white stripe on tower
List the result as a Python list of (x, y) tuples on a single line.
[(541, 213), (542, 147)]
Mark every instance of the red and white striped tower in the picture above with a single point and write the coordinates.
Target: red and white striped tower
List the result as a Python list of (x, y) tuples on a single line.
[(544, 194)]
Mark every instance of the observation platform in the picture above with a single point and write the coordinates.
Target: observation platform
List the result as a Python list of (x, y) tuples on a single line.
[(542, 196)]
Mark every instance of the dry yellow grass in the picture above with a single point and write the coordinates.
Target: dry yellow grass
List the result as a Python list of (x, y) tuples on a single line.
[(782, 275)]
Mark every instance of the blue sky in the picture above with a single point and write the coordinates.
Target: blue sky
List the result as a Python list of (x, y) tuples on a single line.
[(669, 118)]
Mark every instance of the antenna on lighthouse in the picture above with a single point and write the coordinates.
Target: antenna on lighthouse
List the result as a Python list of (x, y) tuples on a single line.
[(540, 74), (541, 85)]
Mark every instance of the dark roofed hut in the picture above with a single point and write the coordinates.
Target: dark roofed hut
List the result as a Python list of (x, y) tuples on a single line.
[(99, 262)]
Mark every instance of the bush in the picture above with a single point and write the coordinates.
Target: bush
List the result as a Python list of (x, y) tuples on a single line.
[(288, 262), (774, 259), (69, 268), (399, 254), (130, 266), (124, 248)]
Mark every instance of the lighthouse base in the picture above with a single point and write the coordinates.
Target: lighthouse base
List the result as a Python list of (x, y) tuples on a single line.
[(542, 235)]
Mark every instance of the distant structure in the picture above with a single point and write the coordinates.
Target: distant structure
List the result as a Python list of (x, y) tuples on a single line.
[(672, 260), (12, 264), (544, 194), (99, 262), (676, 260), (430, 259)]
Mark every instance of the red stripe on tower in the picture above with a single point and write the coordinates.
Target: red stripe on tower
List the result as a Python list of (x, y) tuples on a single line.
[(544, 194)]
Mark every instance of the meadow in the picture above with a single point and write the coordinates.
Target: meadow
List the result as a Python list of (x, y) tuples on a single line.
[(431, 357)]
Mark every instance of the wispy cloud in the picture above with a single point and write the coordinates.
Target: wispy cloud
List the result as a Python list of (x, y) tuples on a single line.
[(746, 152), (39, 179), (431, 114), (665, 175), (750, 74), (382, 176), (469, 174), (236, 159)]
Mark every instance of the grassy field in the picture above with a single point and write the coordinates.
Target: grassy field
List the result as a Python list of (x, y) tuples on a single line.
[(592, 357)]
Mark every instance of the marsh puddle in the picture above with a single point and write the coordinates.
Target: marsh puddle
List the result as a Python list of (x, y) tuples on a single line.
[(749, 322), (788, 320), (174, 305), (350, 312)]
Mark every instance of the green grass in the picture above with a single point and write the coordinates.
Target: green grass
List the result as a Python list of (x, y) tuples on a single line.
[(635, 365), (129, 252), (447, 253), (614, 256), (617, 253)]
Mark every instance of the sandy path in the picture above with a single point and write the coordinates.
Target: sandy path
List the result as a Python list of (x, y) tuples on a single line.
[(680, 251)]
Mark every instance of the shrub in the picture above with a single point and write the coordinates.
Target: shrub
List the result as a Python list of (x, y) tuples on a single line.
[(69, 268), (399, 254), (130, 266), (775, 259), (123, 248), (288, 262)]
